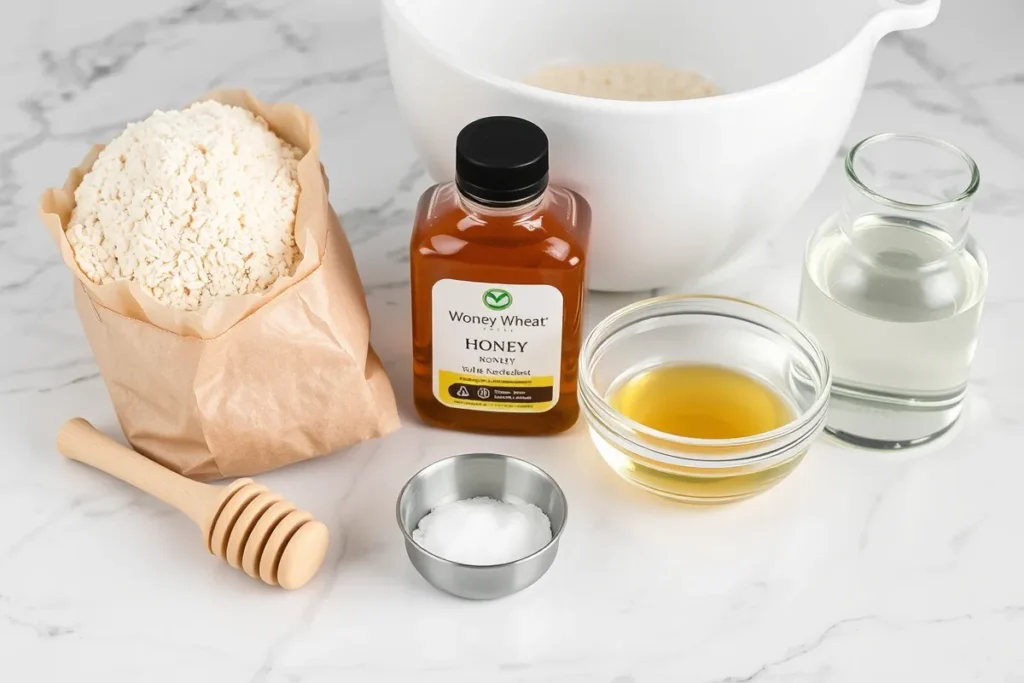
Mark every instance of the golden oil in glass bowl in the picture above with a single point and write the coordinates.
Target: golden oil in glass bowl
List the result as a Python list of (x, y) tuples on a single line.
[(700, 402), (702, 399)]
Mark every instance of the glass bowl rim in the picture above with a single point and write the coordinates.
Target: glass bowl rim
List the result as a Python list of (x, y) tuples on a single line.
[(592, 402)]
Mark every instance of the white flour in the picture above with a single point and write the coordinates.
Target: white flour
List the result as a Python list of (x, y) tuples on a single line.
[(625, 81), (193, 205)]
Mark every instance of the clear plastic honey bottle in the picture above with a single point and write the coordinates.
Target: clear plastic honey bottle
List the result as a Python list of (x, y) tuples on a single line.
[(497, 262)]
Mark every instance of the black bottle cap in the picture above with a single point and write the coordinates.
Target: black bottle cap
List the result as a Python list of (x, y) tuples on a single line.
[(501, 160)]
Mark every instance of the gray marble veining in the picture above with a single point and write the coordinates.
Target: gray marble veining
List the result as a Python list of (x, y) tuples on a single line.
[(861, 567)]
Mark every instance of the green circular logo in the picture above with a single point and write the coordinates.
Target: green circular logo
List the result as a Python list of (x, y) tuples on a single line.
[(497, 299)]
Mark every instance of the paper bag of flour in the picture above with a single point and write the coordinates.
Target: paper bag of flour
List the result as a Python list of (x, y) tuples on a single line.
[(255, 381)]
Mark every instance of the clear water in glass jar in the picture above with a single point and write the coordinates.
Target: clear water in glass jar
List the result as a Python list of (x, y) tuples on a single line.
[(896, 308), (892, 289)]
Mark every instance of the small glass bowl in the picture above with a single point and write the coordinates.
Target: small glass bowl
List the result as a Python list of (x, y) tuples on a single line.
[(704, 330)]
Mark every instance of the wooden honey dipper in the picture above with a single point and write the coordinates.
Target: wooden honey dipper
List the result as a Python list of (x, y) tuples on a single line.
[(243, 523)]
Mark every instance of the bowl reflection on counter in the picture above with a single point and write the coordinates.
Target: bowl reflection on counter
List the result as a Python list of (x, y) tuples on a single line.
[(678, 188)]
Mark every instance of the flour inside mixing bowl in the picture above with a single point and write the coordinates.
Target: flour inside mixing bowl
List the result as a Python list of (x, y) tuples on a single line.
[(624, 81)]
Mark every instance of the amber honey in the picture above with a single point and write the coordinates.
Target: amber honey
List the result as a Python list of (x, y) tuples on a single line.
[(497, 263)]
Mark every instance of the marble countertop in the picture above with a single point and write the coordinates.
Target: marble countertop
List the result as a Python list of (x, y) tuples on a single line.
[(860, 567)]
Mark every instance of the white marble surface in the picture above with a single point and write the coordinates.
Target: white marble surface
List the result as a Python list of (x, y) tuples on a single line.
[(861, 567)]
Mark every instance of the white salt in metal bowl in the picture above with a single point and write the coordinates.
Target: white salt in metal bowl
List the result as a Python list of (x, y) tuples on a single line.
[(472, 475), (678, 189)]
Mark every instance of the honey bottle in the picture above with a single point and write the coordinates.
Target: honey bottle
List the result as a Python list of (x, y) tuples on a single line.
[(497, 262)]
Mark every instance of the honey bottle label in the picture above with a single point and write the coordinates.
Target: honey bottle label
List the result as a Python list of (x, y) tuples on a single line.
[(496, 347)]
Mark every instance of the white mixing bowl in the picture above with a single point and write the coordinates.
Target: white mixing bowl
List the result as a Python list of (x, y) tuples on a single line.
[(678, 189)]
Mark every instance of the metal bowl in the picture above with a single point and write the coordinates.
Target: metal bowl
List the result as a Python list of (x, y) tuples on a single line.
[(471, 475)]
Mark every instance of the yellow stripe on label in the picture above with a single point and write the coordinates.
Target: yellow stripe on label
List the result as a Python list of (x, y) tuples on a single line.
[(502, 394)]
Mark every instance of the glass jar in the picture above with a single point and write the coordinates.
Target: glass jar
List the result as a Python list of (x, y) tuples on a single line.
[(893, 288), (497, 263)]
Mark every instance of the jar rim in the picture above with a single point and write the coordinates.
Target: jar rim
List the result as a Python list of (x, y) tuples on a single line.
[(680, 304), (965, 194)]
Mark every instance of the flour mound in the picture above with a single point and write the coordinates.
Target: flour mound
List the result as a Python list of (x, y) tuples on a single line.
[(193, 205)]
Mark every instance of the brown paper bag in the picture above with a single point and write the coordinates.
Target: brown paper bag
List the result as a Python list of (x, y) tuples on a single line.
[(254, 381)]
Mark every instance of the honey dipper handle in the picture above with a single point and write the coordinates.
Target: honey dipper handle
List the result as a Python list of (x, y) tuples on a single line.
[(79, 440)]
